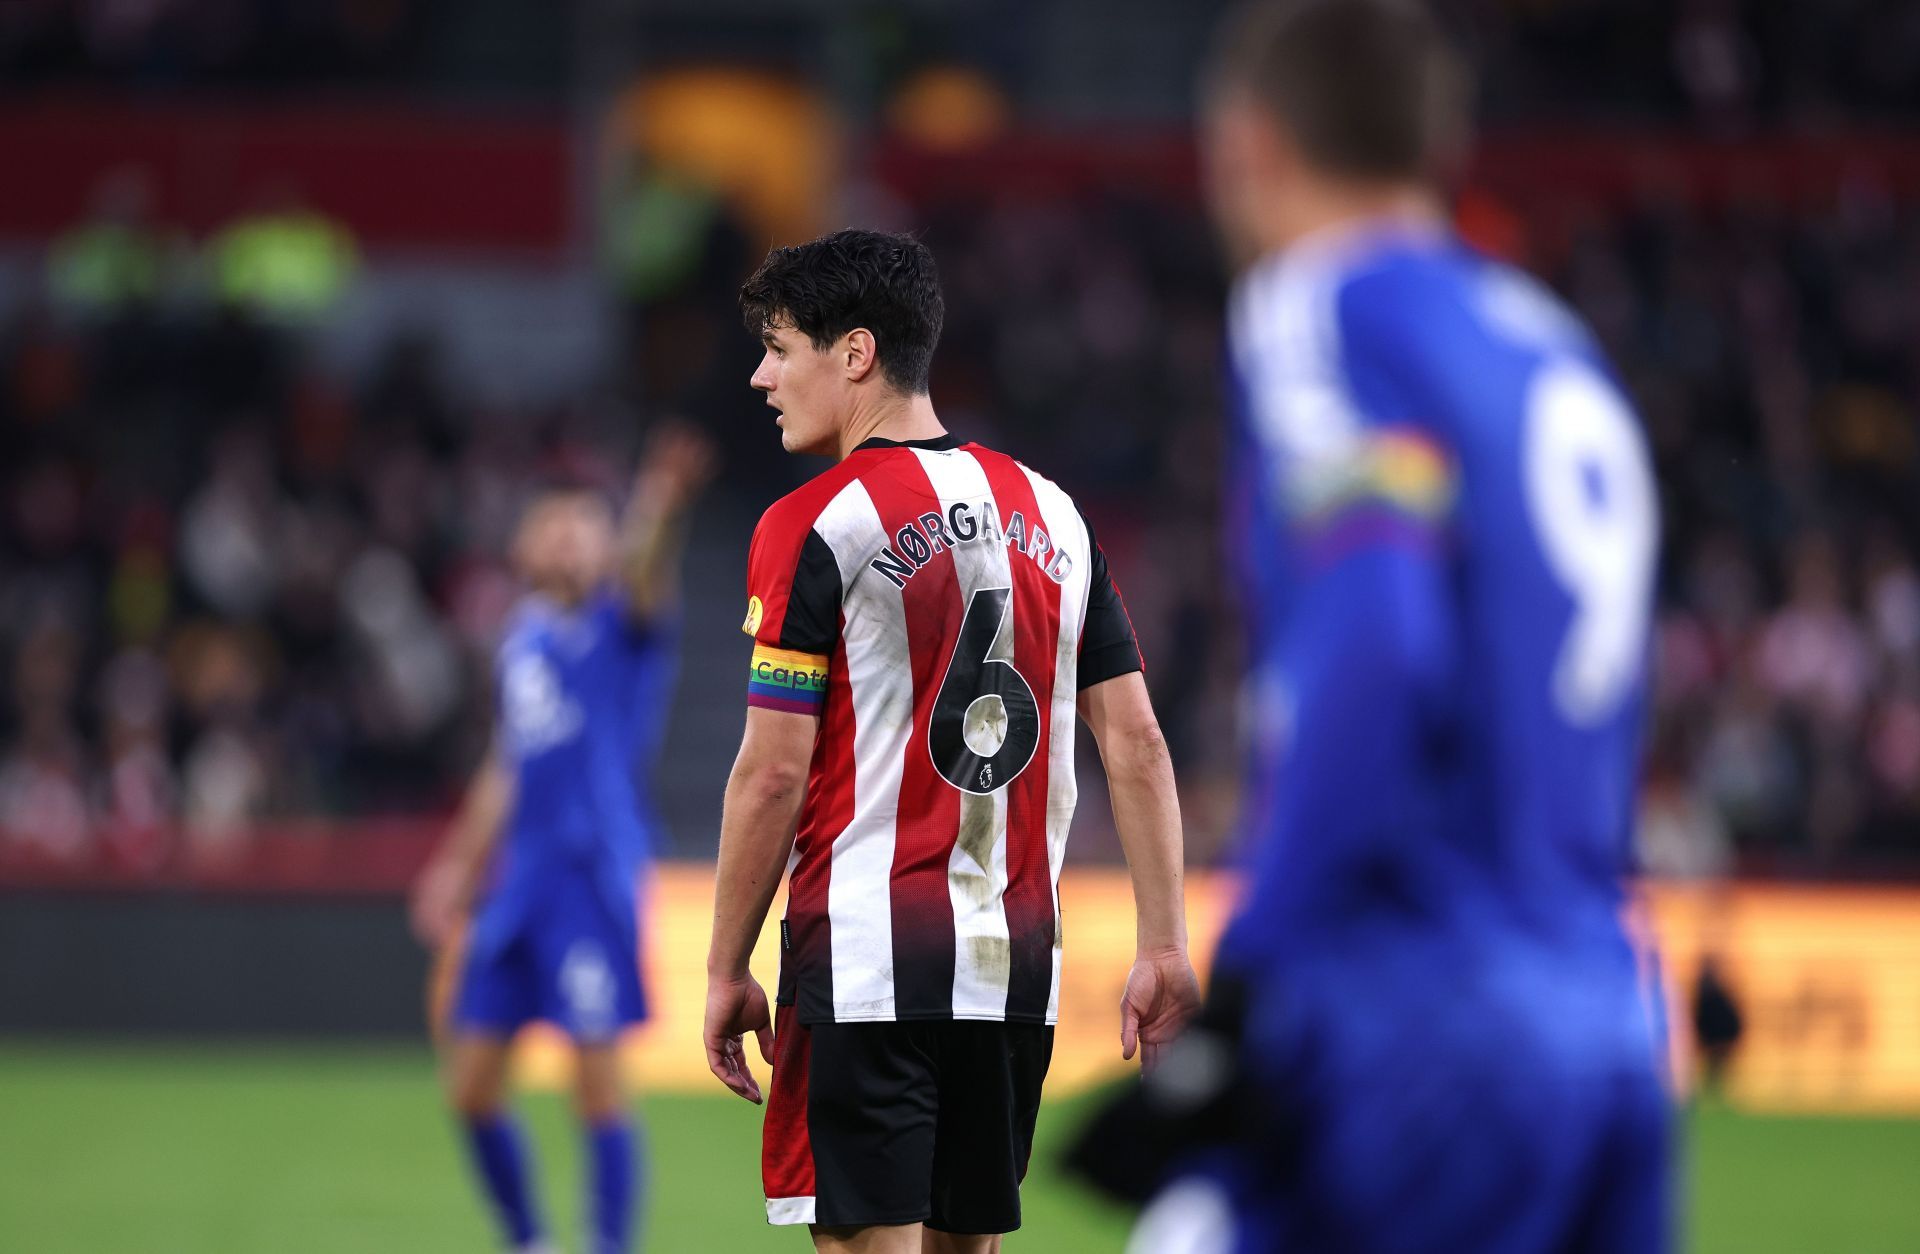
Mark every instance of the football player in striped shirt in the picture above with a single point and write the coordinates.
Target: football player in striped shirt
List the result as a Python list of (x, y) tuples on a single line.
[(929, 618), (1448, 522)]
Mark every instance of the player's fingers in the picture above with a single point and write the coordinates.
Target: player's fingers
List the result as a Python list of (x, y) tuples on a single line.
[(727, 1069), (720, 1058), (1129, 1029), (764, 1035), (717, 1061), (739, 1077), (744, 1083)]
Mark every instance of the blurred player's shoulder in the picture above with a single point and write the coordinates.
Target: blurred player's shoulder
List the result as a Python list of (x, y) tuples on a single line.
[(1329, 340), (1446, 309), (529, 615), (1382, 357), (1409, 329), (535, 614)]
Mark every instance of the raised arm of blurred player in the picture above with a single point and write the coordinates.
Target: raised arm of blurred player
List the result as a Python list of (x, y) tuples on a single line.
[(1162, 993), (677, 464), (762, 809), (444, 893)]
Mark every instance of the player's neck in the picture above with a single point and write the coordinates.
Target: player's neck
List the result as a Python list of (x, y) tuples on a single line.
[(891, 417), (566, 600), (1339, 209)]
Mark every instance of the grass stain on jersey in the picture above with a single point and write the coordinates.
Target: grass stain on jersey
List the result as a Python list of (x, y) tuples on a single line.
[(992, 957), (976, 839)]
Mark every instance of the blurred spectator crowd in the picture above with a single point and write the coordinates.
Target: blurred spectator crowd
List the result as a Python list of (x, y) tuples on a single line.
[(1776, 358), (234, 587), (1720, 64), (256, 43)]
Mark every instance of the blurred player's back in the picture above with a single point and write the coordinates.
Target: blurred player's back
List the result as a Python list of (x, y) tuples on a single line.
[(1402, 391), (582, 700), (1449, 617), (1447, 527)]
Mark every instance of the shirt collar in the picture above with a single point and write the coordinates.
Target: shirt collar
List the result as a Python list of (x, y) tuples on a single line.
[(938, 444)]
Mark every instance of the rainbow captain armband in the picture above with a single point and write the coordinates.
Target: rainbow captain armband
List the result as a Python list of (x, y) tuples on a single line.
[(1397, 484), (781, 679)]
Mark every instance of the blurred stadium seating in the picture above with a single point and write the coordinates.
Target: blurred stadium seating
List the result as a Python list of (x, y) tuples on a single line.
[(248, 583)]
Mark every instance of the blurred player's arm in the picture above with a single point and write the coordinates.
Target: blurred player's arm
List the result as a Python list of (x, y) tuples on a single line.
[(676, 466), (445, 891), (762, 810), (1369, 642), (1366, 498), (1370, 650), (1162, 993)]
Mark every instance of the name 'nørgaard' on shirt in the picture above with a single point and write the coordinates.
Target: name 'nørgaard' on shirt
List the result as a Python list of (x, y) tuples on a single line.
[(915, 544)]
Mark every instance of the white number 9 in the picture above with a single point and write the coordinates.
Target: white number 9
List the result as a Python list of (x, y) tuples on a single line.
[(1590, 490)]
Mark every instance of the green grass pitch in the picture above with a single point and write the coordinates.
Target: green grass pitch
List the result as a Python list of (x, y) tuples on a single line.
[(302, 1150)]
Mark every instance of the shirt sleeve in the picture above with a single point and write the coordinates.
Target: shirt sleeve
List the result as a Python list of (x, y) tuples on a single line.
[(793, 615), (1368, 659), (1351, 444), (1108, 646)]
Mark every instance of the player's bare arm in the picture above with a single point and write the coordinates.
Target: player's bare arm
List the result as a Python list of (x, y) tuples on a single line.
[(1162, 992), (444, 893), (761, 811), (676, 466)]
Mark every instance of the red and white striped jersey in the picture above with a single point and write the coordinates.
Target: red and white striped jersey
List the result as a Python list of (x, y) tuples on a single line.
[(939, 606)]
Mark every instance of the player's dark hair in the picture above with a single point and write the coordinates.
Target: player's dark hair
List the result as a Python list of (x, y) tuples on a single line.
[(1369, 89), (849, 279)]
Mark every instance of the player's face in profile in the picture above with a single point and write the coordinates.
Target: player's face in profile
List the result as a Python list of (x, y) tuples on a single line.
[(802, 383), (564, 545), (1239, 166)]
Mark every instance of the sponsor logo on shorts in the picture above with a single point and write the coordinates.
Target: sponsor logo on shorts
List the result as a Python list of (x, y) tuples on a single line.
[(587, 987)]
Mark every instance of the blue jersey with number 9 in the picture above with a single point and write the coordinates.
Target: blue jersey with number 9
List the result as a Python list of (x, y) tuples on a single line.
[(1447, 526)]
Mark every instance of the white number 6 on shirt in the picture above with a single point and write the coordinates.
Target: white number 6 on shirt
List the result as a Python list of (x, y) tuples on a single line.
[(1590, 490)]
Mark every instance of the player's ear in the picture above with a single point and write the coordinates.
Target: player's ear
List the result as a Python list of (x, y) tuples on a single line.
[(859, 354)]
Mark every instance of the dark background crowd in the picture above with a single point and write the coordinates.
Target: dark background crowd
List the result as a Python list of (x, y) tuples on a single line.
[(242, 586), (1713, 63)]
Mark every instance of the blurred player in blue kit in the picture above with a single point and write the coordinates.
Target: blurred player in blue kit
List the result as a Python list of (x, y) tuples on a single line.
[(532, 900), (1427, 1030)]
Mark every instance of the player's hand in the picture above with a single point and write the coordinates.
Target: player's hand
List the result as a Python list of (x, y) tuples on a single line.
[(678, 462), (735, 1008), (1162, 994), (440, 900)]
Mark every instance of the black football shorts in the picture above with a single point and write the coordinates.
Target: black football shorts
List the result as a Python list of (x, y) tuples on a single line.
[(899, 1123)]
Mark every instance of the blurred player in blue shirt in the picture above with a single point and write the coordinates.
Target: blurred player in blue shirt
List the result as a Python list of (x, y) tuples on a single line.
[(1427, 1029), (544, 863)]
